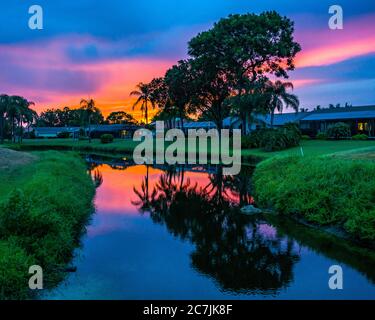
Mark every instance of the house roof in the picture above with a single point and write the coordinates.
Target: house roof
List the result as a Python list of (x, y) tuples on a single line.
[(104, 128), (342, 114), (279, 119), (284, 118), (363, 112), (199, 124), (113, 127), (55, 130)]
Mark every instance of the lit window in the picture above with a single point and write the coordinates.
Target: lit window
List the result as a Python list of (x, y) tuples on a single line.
[(362, 126)]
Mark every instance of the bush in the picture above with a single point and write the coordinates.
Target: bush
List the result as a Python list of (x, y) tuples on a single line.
[(106, 138), (305, 137), (14, 276), (321, 136), (273, 139), (339, 130), (64, 135), (360, 137), (279, 139), (251, 141), (326, 191)]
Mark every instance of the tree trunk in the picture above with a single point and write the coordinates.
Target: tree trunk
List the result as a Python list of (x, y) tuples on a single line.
[(249, 122), (2, 128), (244, 125), (13, 131), (182, 119), (89, 128), (21, 131), (272, 117), (146, 112)]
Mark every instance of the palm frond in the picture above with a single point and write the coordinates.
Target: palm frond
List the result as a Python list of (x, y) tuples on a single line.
[(135, 93), (137, 102)]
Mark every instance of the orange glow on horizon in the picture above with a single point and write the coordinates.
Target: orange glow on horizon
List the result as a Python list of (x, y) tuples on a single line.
[(55, 78)]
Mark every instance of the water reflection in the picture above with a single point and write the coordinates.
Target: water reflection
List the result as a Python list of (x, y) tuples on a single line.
[(229, 247), (242, 254)]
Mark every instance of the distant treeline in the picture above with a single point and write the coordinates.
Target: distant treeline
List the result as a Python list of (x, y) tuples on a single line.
[(17, 116)]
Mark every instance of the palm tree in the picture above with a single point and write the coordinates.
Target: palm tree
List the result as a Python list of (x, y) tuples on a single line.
[(30, 117), (24, 115), (17, 110), (89, 107), (279, 97), (144, 94), (17, 106), (4, 103)]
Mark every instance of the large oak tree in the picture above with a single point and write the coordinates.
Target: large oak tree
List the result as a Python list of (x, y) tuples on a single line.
[(238, 51)]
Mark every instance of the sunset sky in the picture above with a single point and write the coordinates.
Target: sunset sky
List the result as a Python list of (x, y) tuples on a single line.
[(102, 49)]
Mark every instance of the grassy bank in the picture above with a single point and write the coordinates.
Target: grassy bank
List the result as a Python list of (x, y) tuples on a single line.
[(314, 148), (118, 146), (249, 156), (44, 205), (324, 190)]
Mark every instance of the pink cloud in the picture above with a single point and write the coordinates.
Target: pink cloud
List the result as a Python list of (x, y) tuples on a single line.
[(112, 79), (325, 46)]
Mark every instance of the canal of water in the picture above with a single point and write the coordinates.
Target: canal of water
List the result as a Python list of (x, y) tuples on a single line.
[(177, 233)]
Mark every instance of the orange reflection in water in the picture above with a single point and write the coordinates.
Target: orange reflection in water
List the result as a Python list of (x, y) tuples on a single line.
[(116, 194)]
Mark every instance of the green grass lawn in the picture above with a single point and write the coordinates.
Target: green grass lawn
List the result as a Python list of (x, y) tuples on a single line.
[(119, 145), (314, 148), (45, 203), (126, 147), (329, 191)]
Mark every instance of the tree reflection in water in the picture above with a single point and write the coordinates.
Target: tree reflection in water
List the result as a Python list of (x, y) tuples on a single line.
[(230, 247), (95, 174)]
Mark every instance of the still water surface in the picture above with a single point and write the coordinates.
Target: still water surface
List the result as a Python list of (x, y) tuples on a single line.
[(177, 233)]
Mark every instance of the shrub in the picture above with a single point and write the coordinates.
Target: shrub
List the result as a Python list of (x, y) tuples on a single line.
[(253, 140), (82, 132), (15, 214), (279, 139), (339, 130), (63, 135), (321, 136), (106, 138), (32, 135), (273, 139), (14, 266), (326, 191), (360, 137), (305, 137)]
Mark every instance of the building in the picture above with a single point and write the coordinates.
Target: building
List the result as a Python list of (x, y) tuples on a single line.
[(123, 131), (117, 130), (237, 123), (207, 125), (55, 132), (264, 121), (176, 123), (360, 119)]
